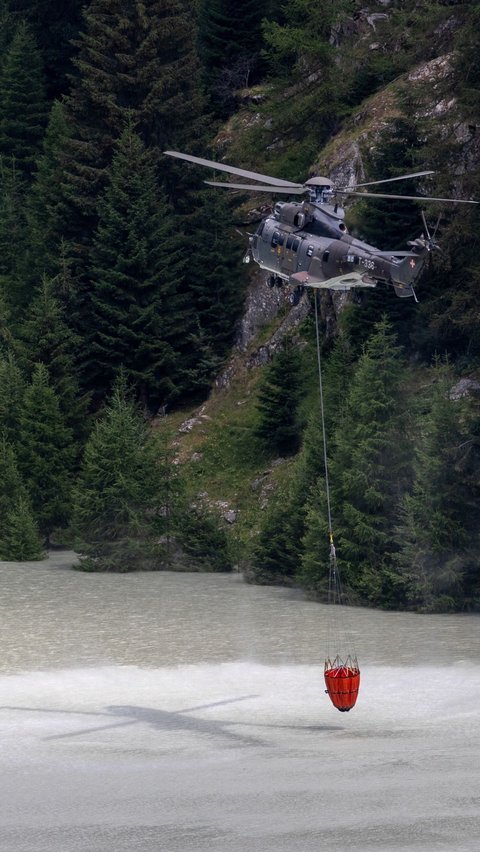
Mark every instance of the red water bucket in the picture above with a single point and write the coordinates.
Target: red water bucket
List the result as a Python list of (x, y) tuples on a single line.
[(342, 682)]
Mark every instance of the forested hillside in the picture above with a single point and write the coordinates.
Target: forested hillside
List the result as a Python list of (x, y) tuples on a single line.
[(122, 291)]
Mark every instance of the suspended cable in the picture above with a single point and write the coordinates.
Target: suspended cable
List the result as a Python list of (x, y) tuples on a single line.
[(342, 673)]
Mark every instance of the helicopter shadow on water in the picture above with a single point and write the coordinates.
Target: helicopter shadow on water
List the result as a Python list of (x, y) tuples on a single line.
[(176, 721)]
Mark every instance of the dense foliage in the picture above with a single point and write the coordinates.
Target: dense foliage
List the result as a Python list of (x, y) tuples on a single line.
[(121, 287)]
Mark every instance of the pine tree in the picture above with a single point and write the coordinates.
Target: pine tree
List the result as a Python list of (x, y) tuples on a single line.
[(6, 337), (216, 284), (230, 41), (20, 540), (135, 316), (22, 101), (203, 540), (136, 65), (277, 552), (13, 236), (45, 210), (47, 339), (397, 152), (55, 24), (313, 571), (7, 29), (438, 534), (11, 483), (19, 537), (12, 390), (119, 491), (368, 473), (338, 368), (278, 401), (466, 60), (45, 453)]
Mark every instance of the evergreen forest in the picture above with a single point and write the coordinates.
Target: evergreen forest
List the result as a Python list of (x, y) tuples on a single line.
[(140, 424)]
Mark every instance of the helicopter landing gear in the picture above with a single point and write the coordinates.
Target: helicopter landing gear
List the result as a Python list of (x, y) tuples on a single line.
[(274, 281), (297, 294)]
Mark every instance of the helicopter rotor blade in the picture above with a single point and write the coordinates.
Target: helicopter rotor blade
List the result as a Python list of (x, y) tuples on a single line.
[(436, 227), (394, 254), (250, 187), (391, 180), (427, 230), (232, 170), (431, 237), (420, 198), (425, 225)]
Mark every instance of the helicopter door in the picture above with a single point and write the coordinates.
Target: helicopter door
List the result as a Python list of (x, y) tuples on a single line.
[(290, 253)]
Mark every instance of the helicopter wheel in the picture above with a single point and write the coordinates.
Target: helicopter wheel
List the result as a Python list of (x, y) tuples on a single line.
[(297, 294)]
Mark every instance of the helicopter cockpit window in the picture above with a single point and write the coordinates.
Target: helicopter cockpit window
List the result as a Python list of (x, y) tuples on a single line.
[(326, 255), (309, 251), (277, 238), (289, 242), (296, 244), (260, 228)]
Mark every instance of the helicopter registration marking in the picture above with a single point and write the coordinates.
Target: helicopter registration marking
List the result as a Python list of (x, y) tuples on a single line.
[(362, 261)]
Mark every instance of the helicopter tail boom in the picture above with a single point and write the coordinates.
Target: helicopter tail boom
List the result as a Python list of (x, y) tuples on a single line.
[(409, 270)]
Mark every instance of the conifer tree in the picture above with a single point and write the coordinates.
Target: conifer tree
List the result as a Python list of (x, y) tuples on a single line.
[(47, 339), (230, 41), (202, 538), (6, 337), (135, 316), (18, 533), (20, 540), (22, 101), (45, 210), (45, 453), (55, 24), (119, 491), (313, 570), (13, 236), (216, 284), (285, 533), (338, 368), (466, 60), (438, 534), (10, 480), (277, 552), (368, 474), (136, 64), (12, 389), (278, 401), (7, 29)]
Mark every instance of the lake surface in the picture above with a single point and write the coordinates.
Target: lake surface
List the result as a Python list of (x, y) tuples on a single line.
[(186, 712)]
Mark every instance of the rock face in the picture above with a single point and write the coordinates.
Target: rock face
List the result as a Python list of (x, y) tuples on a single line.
[(261, 307), (466, 387), (263, 304)]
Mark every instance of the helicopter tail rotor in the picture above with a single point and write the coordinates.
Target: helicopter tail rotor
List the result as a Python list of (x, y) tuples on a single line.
[(430, 238)]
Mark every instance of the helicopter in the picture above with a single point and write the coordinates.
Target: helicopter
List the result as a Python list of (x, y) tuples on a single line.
[(306, 243)]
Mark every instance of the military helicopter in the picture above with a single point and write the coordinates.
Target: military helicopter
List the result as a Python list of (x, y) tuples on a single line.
[(306, 243)]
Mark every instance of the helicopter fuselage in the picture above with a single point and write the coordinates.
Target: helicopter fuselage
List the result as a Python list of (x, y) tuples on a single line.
[(308, 244)]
